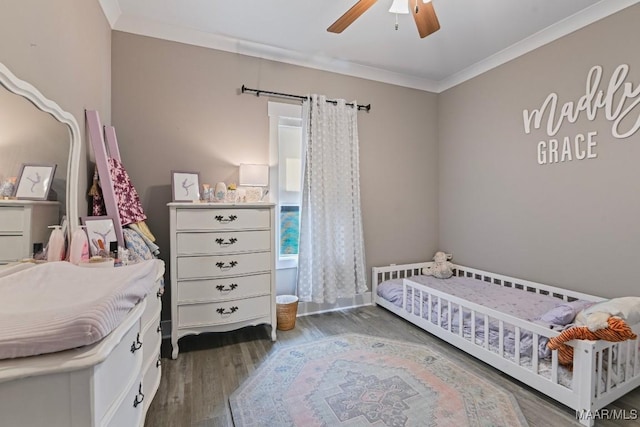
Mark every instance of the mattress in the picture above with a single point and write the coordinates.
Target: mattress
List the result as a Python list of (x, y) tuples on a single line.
[(58, 306)]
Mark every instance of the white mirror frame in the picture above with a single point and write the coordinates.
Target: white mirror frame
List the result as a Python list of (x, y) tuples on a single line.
[(28, 91)]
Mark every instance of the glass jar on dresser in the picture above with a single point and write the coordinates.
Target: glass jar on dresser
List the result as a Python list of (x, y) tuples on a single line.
[(222, 267)]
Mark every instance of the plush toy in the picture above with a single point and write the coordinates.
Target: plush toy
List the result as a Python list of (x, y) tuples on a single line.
[(441, 267), (607, 320), (596, 317), (616, 330)]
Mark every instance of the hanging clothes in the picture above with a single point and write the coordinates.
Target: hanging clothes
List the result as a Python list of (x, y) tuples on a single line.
[(127, 199)]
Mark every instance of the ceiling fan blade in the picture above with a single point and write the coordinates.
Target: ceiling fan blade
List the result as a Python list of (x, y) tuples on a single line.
[(350, 15), (425, 17)]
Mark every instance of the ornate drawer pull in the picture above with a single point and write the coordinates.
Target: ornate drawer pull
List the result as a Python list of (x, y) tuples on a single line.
[(224, 266), (231, 287), (231, 241), (139, 397), (137, 344), (232, 310), (222, 220), (158, 362)]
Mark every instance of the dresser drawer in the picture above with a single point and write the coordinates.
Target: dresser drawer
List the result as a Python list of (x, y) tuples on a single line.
[(153, 308), (151, 340), (117, 370), (198, 267), (223, 312), (130, 410), (11, 219), (223, 242), (12, 248), (222, 219), (151, 380), (224, 289)]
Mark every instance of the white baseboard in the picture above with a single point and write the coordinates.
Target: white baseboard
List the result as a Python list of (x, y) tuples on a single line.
[(307, 308)]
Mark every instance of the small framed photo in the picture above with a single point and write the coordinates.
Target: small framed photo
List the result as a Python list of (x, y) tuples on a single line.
[(34, 181), (185, 186), (101, 232)]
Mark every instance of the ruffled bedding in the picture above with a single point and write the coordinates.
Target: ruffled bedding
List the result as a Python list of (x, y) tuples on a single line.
[(58, 306)]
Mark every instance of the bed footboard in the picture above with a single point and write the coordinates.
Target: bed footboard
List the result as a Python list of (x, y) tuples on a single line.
[(393, 271)]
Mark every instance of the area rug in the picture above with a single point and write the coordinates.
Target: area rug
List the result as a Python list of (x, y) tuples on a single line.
[(360, 380)]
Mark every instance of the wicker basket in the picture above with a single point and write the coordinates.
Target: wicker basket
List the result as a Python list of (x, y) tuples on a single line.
[(286, 311)]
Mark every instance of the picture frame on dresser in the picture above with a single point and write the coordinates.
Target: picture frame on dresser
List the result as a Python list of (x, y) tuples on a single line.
[(34, 181), (185, 186), (100, 229)]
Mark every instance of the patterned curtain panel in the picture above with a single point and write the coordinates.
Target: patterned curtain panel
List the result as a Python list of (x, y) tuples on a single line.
[(331, 253)]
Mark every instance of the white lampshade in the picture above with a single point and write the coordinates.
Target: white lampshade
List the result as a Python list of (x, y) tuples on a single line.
[(399, 6), (254, 175)]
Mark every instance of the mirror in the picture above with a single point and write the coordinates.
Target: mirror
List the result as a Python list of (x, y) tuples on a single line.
[(28, 136)]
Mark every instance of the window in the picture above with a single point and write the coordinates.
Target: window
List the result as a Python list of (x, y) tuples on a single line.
[(285, 126)]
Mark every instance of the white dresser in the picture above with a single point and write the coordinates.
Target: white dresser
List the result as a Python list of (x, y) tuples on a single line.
[(23, 223), (222, 267), (110, 383)]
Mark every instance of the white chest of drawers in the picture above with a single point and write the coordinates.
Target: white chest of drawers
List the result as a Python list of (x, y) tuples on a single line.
[(23, 223), (222, 268)]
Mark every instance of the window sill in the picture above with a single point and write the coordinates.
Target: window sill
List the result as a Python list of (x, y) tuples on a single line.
[(286, 263)]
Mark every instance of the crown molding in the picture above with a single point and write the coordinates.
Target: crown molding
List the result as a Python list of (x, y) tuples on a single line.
[(111, 10), (554, 32), (136, 25)]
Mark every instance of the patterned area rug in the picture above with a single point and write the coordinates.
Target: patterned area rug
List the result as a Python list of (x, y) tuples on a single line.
[(359, 380)]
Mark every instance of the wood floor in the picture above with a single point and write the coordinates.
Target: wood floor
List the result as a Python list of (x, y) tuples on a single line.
[(195, 388)]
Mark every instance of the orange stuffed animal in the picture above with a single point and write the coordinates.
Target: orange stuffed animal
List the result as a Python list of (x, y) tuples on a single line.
[(618, 330)]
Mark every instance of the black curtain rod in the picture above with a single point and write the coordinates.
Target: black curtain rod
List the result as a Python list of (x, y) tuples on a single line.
[(259, 92)]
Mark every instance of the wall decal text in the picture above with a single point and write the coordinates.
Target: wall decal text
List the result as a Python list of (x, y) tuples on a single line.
[(619, 101)]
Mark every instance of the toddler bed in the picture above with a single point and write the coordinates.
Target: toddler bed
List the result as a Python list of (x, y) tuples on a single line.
[(506, 322)]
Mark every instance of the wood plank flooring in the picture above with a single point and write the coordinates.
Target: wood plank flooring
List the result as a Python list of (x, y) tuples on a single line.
[(195, 388)]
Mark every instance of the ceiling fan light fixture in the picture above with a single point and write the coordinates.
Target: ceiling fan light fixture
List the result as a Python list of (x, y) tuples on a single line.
[(400, 6)]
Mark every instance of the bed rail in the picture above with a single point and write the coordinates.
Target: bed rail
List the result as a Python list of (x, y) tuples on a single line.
[(393, 271), (525, 285), (472, 317)]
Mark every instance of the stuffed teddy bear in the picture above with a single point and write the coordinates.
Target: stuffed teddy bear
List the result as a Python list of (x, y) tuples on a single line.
[(597, 316), (441, 267)]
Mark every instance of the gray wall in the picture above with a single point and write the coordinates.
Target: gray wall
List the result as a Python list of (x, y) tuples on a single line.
[(178, 107), (63, 48), (574, 224)]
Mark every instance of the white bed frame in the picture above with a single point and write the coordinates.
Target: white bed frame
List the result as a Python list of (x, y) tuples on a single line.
[(586, 396)]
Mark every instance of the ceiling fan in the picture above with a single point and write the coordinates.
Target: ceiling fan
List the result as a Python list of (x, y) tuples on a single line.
[(422, 10)]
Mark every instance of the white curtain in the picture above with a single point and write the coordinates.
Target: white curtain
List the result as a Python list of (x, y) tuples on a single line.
[(331, 253)]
